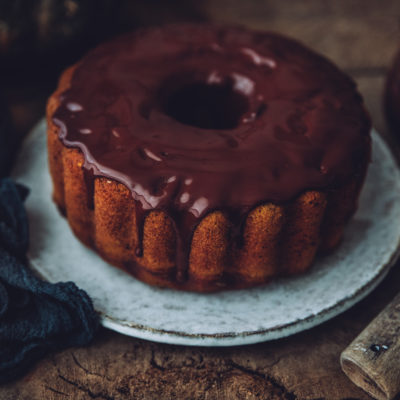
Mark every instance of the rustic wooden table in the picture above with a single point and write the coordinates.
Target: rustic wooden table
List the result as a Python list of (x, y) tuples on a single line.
[(361, 37)]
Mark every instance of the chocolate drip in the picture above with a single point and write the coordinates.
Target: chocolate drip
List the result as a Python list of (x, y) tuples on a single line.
[(88, 176), (185, 226), (140, 218), (198, 118)]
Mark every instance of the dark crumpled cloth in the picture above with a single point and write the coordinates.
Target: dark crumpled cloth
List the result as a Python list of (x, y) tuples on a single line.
[(36, 317)]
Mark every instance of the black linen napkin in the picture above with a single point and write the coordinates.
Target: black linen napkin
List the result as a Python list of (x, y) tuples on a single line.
[(36, 317)]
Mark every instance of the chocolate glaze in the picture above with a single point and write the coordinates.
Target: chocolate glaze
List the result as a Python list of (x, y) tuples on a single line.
[(392, 96), (198, 118)]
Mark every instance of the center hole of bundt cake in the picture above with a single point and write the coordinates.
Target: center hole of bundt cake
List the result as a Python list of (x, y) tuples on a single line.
[(207, 106)]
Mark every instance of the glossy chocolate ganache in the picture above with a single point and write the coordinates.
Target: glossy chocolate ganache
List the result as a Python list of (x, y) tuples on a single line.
[(199, 118)]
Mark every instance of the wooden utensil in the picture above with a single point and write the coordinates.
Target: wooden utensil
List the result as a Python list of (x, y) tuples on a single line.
[(372, 360)]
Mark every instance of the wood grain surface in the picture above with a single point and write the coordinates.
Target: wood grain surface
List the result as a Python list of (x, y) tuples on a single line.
[(361, 36)]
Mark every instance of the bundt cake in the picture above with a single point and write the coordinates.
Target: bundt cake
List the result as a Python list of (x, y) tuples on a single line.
[(206, 158)]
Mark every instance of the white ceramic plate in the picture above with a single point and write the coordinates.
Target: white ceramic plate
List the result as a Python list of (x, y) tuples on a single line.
[(279, 309)]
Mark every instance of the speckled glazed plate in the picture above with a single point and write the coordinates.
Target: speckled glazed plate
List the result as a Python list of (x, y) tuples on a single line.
[(279, 309)]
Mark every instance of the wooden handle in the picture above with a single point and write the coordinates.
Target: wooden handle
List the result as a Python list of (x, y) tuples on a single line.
[(372, 361)]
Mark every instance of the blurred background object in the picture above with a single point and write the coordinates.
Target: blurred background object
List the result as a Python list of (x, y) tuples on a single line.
[(8, 139), (392, 96), (49, 28), (52, 33)]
